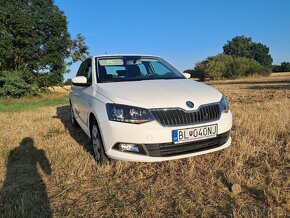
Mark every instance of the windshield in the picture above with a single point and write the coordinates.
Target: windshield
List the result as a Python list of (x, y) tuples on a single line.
[(134, 68)]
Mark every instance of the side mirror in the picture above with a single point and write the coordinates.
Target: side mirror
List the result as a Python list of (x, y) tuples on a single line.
[(187, 75), (80, 81)]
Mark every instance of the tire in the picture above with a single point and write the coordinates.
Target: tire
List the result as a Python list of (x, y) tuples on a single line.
[(97, 144), (73, 121)]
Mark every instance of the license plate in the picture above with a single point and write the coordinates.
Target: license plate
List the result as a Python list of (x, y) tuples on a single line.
[(196, 133)]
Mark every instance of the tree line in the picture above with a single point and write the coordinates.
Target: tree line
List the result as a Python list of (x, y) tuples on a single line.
[(283, 67), (241, 57), (35, 46)]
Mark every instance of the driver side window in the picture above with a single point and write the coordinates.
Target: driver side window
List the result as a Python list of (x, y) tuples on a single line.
[(86, 70)]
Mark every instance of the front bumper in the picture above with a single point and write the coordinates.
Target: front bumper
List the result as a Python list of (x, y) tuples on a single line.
[(152, 134)]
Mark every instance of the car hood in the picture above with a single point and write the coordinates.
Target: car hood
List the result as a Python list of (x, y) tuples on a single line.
[(159, 93)]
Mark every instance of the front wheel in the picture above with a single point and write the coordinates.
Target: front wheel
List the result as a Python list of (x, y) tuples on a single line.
[(98, 148)]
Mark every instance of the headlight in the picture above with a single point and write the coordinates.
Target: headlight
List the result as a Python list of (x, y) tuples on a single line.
[(224, 104), (128, 114)]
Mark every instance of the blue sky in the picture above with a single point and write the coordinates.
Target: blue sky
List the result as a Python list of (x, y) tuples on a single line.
[(181, 31)]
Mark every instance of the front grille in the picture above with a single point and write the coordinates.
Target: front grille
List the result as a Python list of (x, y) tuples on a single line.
[(171, 149), (179, 117)]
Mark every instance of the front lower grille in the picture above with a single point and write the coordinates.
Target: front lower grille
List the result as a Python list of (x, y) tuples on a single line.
[(171, 149), (179, 117)]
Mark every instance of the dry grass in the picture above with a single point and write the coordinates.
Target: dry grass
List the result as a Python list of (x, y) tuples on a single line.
[(68, 183), (63, 89)]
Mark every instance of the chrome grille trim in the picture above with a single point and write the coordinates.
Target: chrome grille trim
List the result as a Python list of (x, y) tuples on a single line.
[(170, 117)]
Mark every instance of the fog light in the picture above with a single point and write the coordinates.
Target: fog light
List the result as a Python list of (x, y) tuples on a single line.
[(129, 147)]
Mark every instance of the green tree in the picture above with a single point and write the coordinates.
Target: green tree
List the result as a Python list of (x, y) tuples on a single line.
[(241, 46), (78, 50), (285, 67), (260, 53), (34, 38)]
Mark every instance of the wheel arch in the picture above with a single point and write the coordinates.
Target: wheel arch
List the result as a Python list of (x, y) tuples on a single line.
[(93, 117)]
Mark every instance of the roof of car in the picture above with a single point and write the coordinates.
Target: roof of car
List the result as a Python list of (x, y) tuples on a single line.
[(120, 55)]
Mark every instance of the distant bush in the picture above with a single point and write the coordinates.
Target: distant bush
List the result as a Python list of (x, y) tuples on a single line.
[(224, 66), (284, 67), (21, 83), (16, 84), (276, 68), (67, 82)]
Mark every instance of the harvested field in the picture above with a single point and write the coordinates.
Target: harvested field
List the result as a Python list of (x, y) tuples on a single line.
[(46, 167)]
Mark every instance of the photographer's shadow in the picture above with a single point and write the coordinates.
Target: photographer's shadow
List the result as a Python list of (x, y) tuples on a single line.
[(23, 193)]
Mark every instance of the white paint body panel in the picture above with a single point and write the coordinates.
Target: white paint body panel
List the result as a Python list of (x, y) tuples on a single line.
[(160, 93), (146, 94)]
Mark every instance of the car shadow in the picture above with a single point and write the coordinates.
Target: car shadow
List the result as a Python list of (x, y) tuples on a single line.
[(63, 113), (23, 193)]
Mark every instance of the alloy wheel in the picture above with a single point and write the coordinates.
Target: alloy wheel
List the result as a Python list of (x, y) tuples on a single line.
[(96, 142)]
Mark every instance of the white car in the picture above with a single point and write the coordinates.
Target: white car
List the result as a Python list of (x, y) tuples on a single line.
[(141, 108)]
